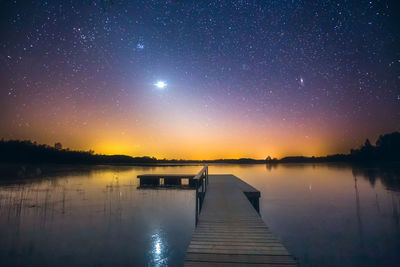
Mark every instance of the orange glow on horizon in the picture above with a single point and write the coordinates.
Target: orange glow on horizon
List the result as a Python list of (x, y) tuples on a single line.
[(209, 142), (188, 129)]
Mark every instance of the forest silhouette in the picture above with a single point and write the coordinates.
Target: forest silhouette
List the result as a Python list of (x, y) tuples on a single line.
[(386, 149)]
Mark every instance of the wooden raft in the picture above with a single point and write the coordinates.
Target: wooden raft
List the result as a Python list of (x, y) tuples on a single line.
[(230, 232)]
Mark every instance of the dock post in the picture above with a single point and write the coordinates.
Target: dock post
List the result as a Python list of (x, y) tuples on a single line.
[(207, 174), (202, 183), (197, 200), (201, 177)]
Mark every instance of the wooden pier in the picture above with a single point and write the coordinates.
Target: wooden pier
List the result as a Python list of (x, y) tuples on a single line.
[(229, 230)]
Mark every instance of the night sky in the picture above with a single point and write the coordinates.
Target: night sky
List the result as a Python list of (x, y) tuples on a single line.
[(200, 79)]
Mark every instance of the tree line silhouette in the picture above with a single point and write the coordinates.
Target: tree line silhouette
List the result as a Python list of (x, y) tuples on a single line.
[(30, 152), (386, 148)]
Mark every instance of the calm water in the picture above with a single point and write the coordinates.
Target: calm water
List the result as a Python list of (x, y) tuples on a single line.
[(326, 215)]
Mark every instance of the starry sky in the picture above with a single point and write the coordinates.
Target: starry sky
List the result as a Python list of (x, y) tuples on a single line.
[(200, 79)]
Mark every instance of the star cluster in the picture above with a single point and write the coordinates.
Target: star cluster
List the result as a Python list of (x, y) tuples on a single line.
[(243, 78)]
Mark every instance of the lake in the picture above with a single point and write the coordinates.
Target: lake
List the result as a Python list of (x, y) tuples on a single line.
[(325, 214)]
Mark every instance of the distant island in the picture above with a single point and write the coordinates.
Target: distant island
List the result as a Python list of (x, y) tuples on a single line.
[(386, 149)]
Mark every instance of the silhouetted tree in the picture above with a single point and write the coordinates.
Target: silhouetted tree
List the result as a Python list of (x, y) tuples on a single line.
[(389, 145), (58, 146), (367, 143), (387, 149)]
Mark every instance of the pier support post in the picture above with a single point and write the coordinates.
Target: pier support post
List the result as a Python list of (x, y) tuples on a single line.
[(197, 201)]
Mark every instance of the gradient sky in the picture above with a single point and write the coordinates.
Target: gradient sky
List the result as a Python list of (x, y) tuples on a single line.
[(244, 78)]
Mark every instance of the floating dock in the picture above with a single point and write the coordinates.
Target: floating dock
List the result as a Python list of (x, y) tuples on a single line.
[(230, 232), (164, 179)]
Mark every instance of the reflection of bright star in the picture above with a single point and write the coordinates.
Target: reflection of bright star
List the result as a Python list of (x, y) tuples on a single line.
[(160, 84), (158, 248)]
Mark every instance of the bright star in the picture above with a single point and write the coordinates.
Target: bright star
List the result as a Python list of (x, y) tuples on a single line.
[(301, 81), (160, 84), (140, 46)]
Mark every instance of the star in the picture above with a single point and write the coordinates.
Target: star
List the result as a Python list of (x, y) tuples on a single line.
[(140, 46), (301, 81), (160, 84)]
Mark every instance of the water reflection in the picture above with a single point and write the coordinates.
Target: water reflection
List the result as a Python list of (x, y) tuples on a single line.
[(326, 214), (95, 217), (358, 211), (159, 255), (387, 175)]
